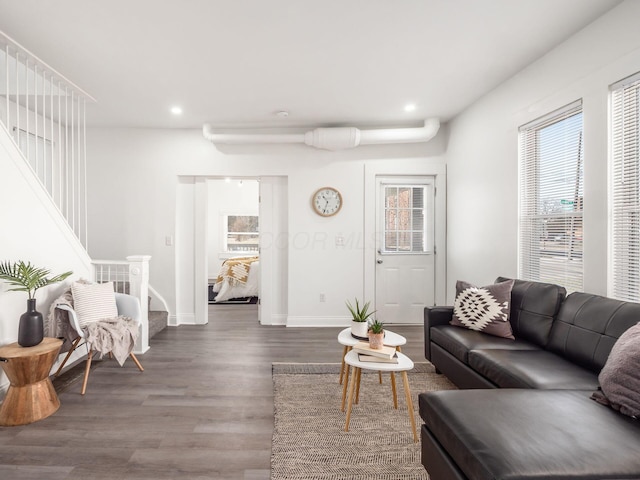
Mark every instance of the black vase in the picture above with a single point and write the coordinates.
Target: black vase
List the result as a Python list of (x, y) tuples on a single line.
[(31, 329)]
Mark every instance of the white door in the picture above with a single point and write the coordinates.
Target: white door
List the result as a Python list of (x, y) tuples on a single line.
[(405, 260)]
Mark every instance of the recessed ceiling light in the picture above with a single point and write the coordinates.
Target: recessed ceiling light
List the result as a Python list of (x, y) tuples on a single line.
[(176, 110), (410, 107), (282, 114)]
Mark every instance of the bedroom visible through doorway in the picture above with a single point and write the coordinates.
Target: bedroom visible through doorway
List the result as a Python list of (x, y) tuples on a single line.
[(233, 266)]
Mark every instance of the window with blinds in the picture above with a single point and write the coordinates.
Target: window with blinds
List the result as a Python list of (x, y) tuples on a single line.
[(405, 219), (551, 198), (625, 191)]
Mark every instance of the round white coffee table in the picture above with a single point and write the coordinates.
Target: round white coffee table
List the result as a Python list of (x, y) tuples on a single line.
[(345, 338), (404, 364)]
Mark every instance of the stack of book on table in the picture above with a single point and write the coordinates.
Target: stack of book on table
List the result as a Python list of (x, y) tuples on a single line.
[(385, 354)]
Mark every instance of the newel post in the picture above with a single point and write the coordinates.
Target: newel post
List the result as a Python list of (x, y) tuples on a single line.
[(139, 288)]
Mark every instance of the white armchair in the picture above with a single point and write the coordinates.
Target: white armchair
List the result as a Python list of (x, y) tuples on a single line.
[(127, 305)]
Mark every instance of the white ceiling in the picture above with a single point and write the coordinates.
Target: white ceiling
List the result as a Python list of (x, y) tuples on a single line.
[(234, 63)]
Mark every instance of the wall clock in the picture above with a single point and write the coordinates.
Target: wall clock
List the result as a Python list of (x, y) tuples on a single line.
[(327, 201)]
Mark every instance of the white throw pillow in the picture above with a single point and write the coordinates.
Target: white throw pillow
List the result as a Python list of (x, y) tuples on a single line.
[(94, 301)]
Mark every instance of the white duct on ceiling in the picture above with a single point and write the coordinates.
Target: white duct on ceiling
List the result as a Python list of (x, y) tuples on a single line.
[(338, 138)]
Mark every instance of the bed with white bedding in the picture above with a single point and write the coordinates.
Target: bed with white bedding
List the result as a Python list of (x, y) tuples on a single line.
[(238, 278)]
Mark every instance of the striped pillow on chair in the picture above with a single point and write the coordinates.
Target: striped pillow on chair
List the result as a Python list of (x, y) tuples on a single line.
[(93, 301)]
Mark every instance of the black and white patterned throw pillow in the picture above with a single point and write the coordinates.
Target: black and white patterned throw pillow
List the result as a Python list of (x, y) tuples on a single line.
[(484, 309)]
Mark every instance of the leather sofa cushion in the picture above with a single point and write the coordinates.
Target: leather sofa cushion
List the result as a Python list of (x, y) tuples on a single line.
[(458, 341), (538, 369), (533, 308), (588, 326), (532, 434)]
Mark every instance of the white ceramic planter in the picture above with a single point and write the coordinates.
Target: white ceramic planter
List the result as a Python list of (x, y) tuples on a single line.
[(360, 329)]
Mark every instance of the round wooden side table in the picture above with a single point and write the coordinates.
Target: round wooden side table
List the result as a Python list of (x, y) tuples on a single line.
[(31, 396)]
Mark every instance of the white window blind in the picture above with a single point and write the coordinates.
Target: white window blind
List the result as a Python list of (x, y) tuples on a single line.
[(625, 202), (551, 198)]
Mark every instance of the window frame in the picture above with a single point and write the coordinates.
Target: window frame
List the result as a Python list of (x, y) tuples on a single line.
[(427, 230), (226, 233), (624, 189), (550, 228)]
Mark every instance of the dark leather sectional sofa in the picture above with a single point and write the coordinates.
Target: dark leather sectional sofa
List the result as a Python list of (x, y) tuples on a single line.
[(524, 409)]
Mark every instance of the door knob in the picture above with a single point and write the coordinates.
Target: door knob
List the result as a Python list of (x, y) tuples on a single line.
[(379, 261)]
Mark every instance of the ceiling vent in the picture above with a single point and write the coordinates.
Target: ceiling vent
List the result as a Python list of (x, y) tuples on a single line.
[(338, 138)]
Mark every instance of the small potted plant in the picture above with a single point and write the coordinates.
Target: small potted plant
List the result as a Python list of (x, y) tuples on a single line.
[(359, 319), (29, 278), (376, 334)]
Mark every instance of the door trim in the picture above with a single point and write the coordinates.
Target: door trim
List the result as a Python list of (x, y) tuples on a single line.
[(371, 172)]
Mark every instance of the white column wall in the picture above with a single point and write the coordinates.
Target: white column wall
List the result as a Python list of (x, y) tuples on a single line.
[(482, 153), (274, 251), (133, 188)]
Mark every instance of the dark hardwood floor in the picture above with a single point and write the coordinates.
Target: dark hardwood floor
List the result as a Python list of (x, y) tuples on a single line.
[(202, 409)]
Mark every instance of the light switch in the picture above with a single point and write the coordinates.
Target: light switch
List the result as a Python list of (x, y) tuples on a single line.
[(168, 241)]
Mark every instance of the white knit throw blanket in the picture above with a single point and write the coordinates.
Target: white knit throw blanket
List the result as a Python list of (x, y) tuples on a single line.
[(110, 335)]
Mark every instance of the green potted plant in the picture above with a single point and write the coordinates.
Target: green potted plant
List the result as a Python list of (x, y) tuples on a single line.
[(359, 318), (26, 277), (376, 334)]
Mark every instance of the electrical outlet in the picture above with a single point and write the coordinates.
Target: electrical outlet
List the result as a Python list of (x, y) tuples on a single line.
[(322, 297)]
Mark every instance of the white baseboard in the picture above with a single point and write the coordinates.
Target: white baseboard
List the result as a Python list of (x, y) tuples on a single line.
[(308, 321), (141, 351), (276, 319), (185, 319)]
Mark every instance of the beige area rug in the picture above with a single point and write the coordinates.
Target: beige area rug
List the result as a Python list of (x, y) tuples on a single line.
[(309, 441)]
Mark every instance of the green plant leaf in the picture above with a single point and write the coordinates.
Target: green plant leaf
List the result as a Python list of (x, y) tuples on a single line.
[(359, 314), (376, 326), (26, 277)]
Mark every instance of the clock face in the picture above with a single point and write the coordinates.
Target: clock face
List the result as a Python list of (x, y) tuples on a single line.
[(326, 201)]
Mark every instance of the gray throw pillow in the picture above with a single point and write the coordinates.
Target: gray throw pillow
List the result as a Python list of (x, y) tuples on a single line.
[(619, 380), (484, 309)]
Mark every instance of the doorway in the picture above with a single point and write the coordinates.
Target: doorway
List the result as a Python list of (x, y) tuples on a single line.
[(405, 248), (233, 224), (192, 256)]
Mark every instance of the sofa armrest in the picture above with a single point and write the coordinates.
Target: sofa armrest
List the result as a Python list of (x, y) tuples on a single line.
[(434, 316)]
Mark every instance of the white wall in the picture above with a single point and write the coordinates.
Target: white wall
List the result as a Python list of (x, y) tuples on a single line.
[(274, 251), (133, 185), (31, 230), (185, 233), (482, 155), (226, 198)]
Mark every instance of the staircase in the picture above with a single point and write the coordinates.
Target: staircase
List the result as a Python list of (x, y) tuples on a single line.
[(43, 114), (158, 320), (132, 277)]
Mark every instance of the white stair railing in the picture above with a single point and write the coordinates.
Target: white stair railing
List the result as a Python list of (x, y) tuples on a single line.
[(132, 277), (45, 114)]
